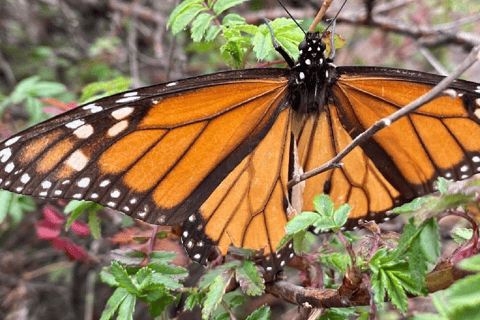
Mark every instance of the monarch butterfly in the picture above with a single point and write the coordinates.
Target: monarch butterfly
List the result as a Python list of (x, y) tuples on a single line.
[(214, 152)]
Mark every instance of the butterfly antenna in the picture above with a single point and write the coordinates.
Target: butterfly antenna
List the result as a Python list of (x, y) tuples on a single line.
[(278, 47), (294, 20)]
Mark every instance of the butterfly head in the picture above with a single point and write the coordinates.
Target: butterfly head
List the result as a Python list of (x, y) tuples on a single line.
[(312, 50), (311, 76)]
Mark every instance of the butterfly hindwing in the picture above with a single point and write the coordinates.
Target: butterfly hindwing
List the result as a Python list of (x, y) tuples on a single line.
[(155, 153)]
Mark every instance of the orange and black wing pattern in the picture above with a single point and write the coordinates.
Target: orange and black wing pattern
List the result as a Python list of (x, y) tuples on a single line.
[(249, 209), (156, 153), (400, 162)]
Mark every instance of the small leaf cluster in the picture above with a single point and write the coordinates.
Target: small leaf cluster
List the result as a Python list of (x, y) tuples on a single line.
[(325, 218), (404, 269), (239, 36), (159, 284)]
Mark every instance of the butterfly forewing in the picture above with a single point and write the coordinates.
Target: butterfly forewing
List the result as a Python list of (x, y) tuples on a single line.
[(155, 153), (249, 208)]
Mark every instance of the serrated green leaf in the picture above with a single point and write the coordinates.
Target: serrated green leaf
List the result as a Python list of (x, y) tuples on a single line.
[(169, 281), (215, 293), (411, 206), (122, 277), (200, 26), (184, 18), (323, 205), (262, 45), (250, 279), (179, 9), (222, 5), (233, 19), (301, 222), (395, 291), (126, 308), (262, 313), (166, 269), (113, 303), (462, 235), (340, 215), (194, 299), (108, 278), (337, 260), (212, 33)]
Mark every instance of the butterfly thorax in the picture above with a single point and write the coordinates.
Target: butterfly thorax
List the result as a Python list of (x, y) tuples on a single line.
[(311, 76)]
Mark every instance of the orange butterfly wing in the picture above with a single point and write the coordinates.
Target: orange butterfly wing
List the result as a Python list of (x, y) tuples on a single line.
[(402, 161), (249, 208), (156, 153)]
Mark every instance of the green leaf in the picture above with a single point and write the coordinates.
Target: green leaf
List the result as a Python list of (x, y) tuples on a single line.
[(212, 33), (200, 26), (184, 18), (94, 223), (462, 235), (215, 293), (114, 303), (125, 311), (471, 264), (337, 260), (301, 222), (5, 199), (323, 205), (194, 299), (100, 89), (108, 278), (442, 185), (122, 277), (262, 44), (262, 313), (411, 206), (179, 9), (340, 215), (395, 291), (338, 314), (222, 5), (157, 307), (162, 257), (76, 208), (233, 19), (250, 279), (430, 240), (465, 292)]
